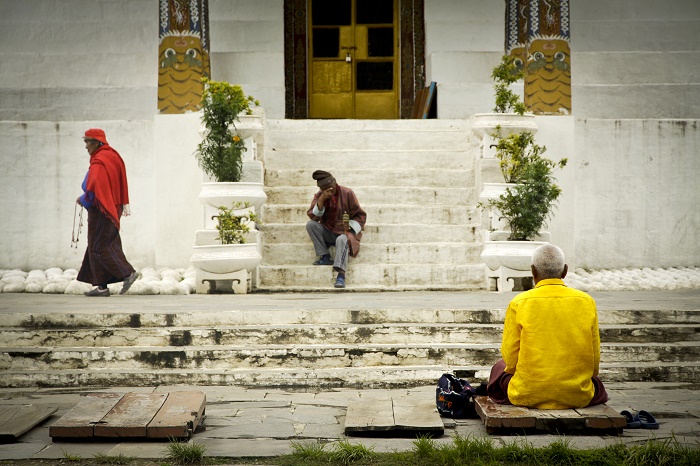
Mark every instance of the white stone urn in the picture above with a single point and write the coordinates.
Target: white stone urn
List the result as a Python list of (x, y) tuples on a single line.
[(485, 123), (251, 126), (226, 258), (225, 194), (509, 259)]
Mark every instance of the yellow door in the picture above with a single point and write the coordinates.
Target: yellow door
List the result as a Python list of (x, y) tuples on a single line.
[(353, 50)]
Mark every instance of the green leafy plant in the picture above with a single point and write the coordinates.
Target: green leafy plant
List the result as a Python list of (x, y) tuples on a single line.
[(515, 152), (506, 73), (220, 152), (528, 206), (232, 227)]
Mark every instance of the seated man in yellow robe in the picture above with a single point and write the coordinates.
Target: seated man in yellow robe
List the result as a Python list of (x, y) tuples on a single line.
[(551, 343)]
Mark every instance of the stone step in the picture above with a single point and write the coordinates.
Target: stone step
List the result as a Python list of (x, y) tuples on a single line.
[(334, 312), (334, 135), (360, 377), (387, 234), (308, 356), (403, 253), (381, 214), (383, 195), (373, 277), (308, 334), (428, 177), (343, 161)]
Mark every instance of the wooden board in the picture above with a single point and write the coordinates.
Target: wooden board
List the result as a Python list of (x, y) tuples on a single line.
[(133, 415), (179, 416), (407, 415), (80, 421), (16, 420), (498, 418)]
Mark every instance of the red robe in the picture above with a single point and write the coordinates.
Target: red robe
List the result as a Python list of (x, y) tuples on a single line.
[(107, 179), (343, 201)]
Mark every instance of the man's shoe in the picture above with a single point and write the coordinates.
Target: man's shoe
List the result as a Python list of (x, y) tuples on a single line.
[(340, 282), (98, 292), (128, 281), (324, 260)]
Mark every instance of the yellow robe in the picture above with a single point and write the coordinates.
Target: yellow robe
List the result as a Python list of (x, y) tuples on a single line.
[(551, 345)]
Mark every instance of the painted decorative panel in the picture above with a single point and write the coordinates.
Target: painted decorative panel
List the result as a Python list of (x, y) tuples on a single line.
[(183, 54), (538, 35)]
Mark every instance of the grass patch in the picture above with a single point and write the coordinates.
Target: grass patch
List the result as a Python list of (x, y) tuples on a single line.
[(482, 451), (185, 453), (107, 459)]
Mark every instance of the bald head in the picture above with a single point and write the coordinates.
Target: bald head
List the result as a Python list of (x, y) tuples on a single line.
[(548, 262)]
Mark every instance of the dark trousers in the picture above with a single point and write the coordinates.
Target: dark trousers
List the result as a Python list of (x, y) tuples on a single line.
[(497, 388), (104, 260)]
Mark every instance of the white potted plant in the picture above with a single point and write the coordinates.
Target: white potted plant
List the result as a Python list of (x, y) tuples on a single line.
[(508, 115), (235, 247), (220, 154), (524, 207)]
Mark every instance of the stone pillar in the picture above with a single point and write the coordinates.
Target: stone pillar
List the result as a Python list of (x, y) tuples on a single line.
[(183, 54), (548, 66), (517, 13)]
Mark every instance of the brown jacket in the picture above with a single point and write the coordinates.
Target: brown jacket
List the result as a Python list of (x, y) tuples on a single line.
[(345, 201)]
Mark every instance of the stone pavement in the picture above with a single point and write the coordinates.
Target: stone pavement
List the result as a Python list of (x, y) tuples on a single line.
[(262, 422)]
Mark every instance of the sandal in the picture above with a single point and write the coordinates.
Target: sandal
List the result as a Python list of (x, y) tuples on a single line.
[(647, 420), (633, 421)]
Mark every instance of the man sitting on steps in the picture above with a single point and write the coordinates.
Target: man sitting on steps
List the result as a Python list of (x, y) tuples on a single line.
[(551, 343), (336, 220)]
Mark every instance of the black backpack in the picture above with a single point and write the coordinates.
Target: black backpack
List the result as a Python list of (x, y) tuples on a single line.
[(455, 397)]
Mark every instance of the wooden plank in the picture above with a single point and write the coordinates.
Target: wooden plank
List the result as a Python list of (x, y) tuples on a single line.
[(558, 419), (179, 416), (17, 420), (80, 421), (495, 415), (417, 414), (130, 416), (370, 415), (602, 417)]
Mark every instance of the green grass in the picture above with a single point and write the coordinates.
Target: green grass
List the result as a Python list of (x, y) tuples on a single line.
[(107, 459), (185, 453), (482, 451)]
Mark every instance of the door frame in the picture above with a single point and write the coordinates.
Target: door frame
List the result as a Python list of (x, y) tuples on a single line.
[(411, 50)]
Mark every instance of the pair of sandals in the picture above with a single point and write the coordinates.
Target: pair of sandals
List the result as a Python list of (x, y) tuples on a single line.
[(640, 420)]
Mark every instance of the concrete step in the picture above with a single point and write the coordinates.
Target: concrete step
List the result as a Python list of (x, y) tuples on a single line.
[(381, 214), (334, 312), (307, 334), (359, 377), (428, 177), (387, 234), (342, 161), (371, 253), (383, 195), (373, 277), (321, 135), (309, 356)]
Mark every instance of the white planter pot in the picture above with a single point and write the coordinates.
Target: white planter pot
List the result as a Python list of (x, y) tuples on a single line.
[(494, 190), (250, 126), (226, 194), (510, 123), (226, 258), (514, 255)]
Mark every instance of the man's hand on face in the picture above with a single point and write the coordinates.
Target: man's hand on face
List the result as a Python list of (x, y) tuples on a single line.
[(325, 195)]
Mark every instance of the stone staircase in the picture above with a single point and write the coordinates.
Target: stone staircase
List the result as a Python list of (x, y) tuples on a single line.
[(414, 178), (310, 347)]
